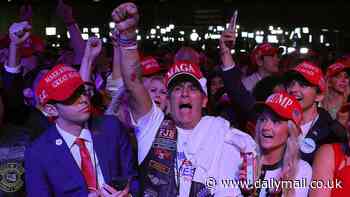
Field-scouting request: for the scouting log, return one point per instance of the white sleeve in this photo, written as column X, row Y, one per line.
column 228, row 172
column 146, row 129
column 116, row 88
column 304, row 172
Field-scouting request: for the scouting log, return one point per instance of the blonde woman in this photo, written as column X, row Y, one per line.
column 338, row 88
column 277, row 133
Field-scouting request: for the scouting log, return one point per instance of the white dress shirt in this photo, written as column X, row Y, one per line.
column 75, row 151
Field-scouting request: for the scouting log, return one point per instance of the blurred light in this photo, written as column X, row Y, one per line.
column 162, row 31
column 237, row 26
column 215, row 36
column 85, row 30
column 58, row 36
column 95, row 30
column 220, row 28
column 153, row 31
column 259, row 39
column 97, row 35
column 147, row 37
column 270, row 27
column 168, row 29
column 158, row 27
column 172, row 26
column 306, row 30
column 158, row 37
column 250, row 35
column 68, row 35
column 165, row 39
column 290, row 49
column 286, row 33
column 182, row 32
column 272, row 39
column 96, row 0
column 324, row 30
column 304, row 50
column 53, row 45
column 85, row 36
column 284, row 50
column 206, row 36
column 233, row 51
column 153, row 36
column 112, row 25
column 203, row 47
column 193, row 30
column 210, row 28
column 137, row 31
column 327, row 44
column 50, row 31
column 194, row 36
column 321, row 38
column 279, row 31
column 138, row 37
column 310, row 38
column 244, row 34
column 242, row 50
column 110, row 34
column 104, row 40
column 58, row 45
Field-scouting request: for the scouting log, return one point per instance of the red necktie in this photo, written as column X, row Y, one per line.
column 86, row 165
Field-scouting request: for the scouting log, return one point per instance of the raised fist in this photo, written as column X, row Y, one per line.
column 126, row 18
column 19, row 32
column 227, row 40
column 93, row 47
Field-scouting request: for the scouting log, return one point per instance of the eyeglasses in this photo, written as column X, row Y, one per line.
column 74, row 98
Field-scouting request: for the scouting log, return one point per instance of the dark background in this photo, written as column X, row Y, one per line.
column 253, row 14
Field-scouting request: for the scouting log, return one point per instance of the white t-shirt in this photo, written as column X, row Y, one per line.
column 304, row 171
column 212, row 148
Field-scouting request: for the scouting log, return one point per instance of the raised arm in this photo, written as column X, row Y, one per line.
column 19, row 33
column 76, row 41
column 126, row 18
column 239, row 95
column 92, row 50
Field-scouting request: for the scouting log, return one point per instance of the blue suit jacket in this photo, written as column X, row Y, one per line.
column 50, row 169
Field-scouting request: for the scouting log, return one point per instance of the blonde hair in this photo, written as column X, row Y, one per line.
column 290, row 156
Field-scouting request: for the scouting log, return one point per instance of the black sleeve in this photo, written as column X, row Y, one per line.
column 238, row 94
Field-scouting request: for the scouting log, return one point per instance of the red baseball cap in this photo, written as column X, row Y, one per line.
column 312, row 74
column 336, row 68
column 149, row 66
column 185, row 68
column 284, row 105
column 264, row 49
column 58, row 84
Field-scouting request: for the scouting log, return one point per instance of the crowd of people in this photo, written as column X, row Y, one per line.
column 81, row 122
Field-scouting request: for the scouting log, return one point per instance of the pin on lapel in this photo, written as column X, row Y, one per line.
column 59, row 142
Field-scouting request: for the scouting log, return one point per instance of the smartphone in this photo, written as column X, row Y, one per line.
column 232, row 27
column 119, row 183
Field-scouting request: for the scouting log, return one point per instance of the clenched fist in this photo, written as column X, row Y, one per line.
column 126, row 18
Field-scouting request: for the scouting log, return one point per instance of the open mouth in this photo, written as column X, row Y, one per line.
column 157, row 102
column 185, row 106
column 267, row 135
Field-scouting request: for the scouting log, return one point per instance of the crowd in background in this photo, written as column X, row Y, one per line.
column 295, row 107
